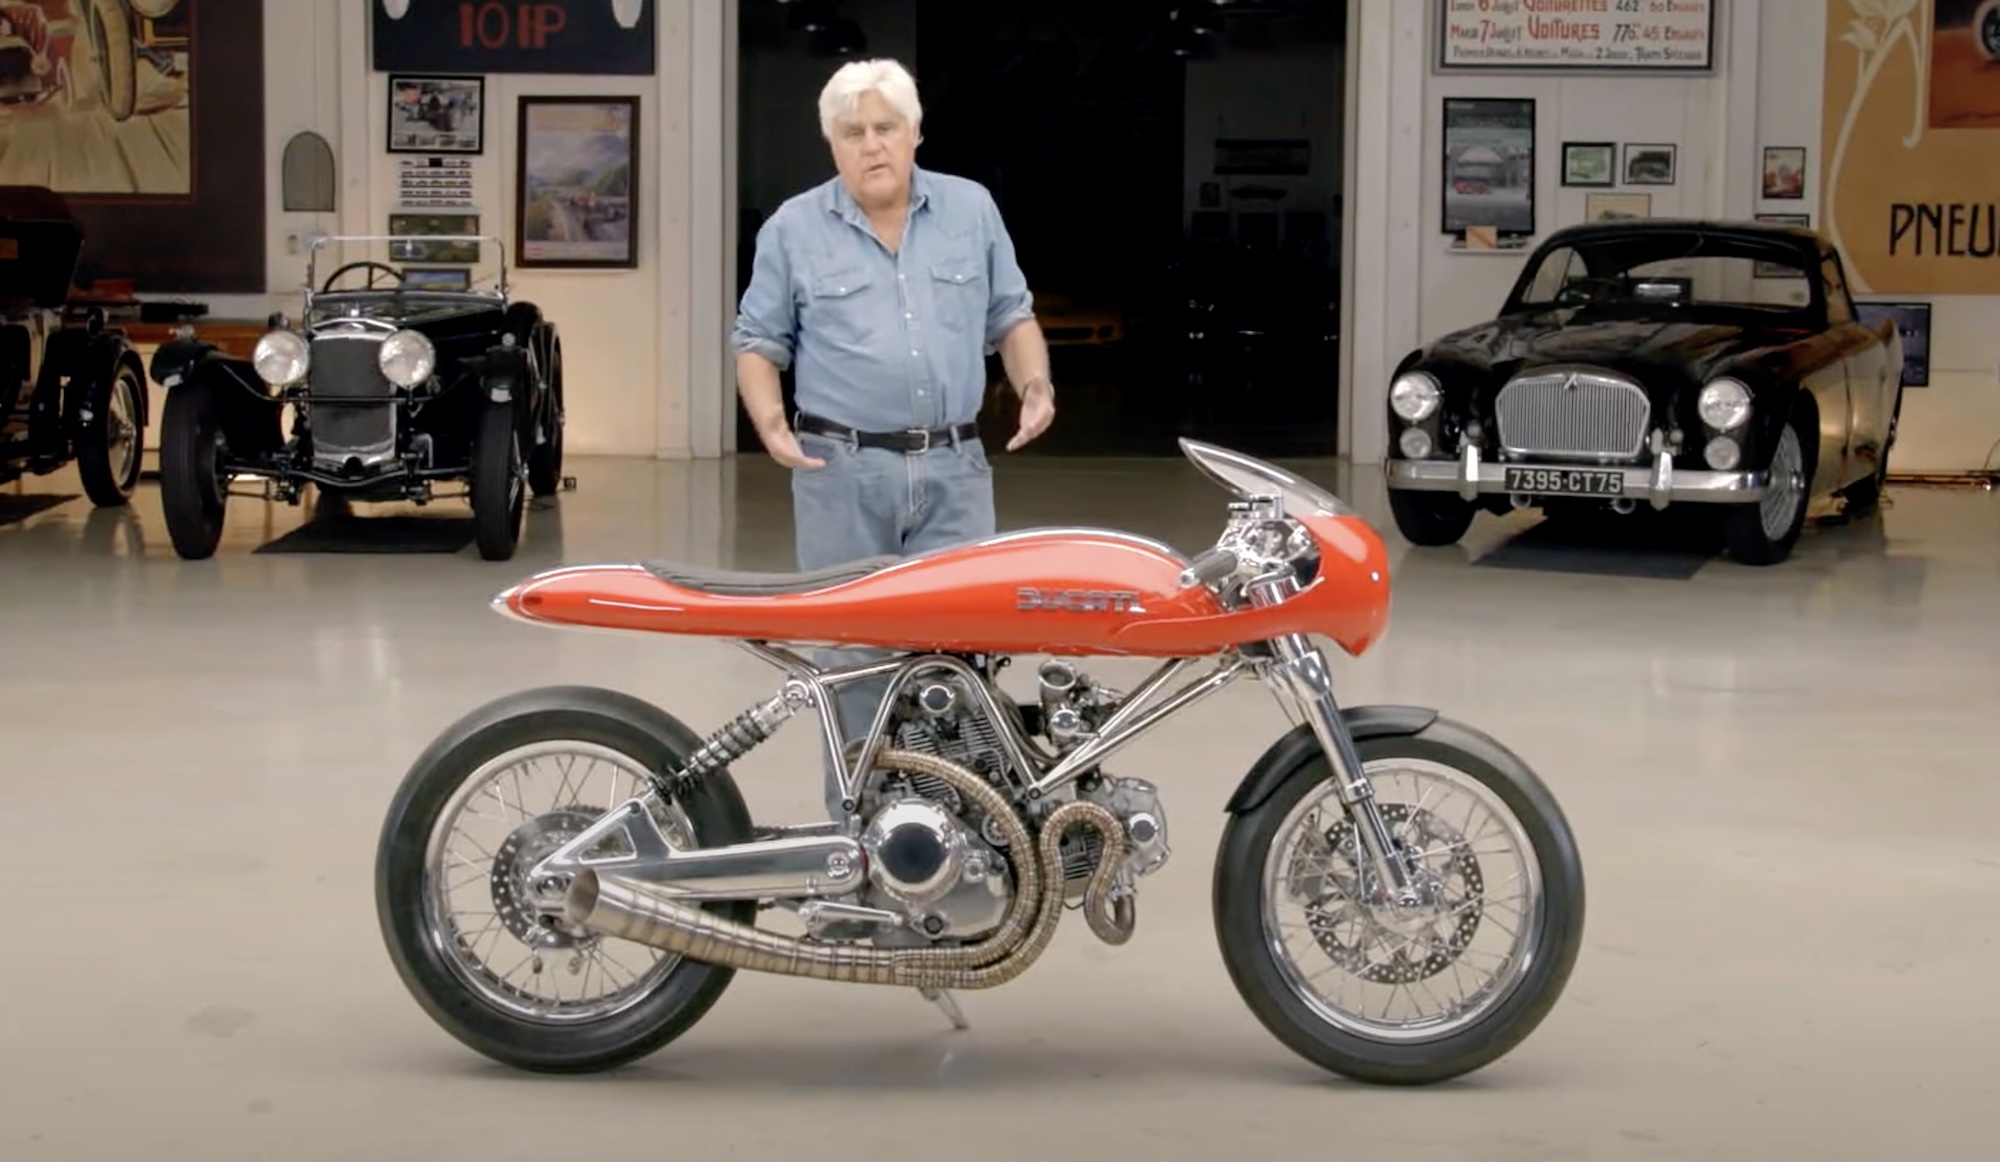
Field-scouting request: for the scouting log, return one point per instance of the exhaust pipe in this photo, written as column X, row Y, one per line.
column 1624, row 505
column 637, row 911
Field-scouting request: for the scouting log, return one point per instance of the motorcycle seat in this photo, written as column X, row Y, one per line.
column 742, row 583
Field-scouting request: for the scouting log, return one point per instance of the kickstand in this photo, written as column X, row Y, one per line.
column 943, row 999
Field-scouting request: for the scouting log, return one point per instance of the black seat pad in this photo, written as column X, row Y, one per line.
column 738, row 583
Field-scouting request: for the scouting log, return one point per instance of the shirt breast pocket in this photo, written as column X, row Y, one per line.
column 958, row 292
column 838, row 307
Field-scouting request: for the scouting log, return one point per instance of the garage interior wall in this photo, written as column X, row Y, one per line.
column 628, row 335
column 1766, row 90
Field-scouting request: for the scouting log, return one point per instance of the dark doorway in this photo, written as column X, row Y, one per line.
column 1170, row 174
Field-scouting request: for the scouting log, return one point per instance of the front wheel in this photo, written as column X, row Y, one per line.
column 501, row 789
column 194, row 494
column 499, row 494
column 1431, row 519
column 1403, row 996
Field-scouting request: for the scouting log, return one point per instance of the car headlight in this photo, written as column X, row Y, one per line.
column 1413, row 397
column 281, row 358
column 407, row 358
column 1724, row 405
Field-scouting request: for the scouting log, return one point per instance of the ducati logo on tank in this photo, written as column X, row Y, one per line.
column 1079, row 600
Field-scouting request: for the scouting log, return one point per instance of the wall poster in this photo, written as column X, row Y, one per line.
column 601, row 37
column 1489, row 170
column 1909, row 182
column 576, row 182
column 143, row 116
column 1591, row 35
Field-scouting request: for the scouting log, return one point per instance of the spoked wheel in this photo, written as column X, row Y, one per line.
column 112, row 41
column 1382, row 993
column 108, row 458
column 482, row 948
column 1764, row 533
column 1987, row 28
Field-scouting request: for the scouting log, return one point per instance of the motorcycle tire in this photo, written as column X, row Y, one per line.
column 650, row 737
column 1263, row 981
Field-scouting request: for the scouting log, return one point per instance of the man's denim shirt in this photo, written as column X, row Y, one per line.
column 884, row 341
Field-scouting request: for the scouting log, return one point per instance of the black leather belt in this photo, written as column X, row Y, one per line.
column 910, row 441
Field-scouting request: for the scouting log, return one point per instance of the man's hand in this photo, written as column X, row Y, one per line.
column 1038, row 411
column 783, row 446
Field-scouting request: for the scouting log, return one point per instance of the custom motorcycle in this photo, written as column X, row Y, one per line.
column 1398, row 898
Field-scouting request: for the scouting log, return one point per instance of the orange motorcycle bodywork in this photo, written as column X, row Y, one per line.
column 1069, row 592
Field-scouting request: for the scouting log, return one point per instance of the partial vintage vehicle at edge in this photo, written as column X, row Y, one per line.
column 1653, row 361
column 394, row 388
column 71, row 388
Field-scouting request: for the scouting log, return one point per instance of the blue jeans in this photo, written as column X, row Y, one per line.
column 870, row 502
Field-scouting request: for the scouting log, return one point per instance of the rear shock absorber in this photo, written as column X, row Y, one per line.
column 733, row 740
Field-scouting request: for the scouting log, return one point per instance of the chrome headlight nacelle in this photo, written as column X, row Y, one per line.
column 1724, row 404
column 281, row 358
column 1414, row 396
column 407, row 358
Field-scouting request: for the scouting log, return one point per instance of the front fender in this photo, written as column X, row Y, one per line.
column 1299, row 746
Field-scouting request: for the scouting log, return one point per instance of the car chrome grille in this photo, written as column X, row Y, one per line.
column 353, row 405
column 1572, row 413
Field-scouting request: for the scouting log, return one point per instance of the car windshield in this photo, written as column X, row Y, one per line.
column 1680, row 271
column 428, row 256
column 1249, row 477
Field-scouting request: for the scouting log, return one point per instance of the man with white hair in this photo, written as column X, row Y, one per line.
column 885, row 287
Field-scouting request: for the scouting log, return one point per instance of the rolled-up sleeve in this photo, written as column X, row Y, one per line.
column 1010, row 303
column 767, row 318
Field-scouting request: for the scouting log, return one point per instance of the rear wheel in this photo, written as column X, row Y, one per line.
column 499, row 494
column 117, row 57
column 193, row 494
column 1417, row 995
column 1431, row 518
column 464, row 929
column 112, row 440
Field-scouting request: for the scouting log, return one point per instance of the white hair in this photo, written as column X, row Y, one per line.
column 844, row 89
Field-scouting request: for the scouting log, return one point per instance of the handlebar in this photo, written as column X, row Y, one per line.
column 1208, row 568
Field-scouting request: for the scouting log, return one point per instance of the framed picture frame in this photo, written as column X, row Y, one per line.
column 1607, row 207
column 1487, row 179
column 1771, row 269
column 1590, row 163
column 576, row 183
column 1650, row 164
column 1784, row 171
column 404, row 223
column 1913, row 322
column 436, row 114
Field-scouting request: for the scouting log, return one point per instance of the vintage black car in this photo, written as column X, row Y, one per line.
column 71, row 388
column 394, row 386
column 1660, row 362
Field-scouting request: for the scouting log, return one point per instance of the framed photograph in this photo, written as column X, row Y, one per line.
column 1603, row 207
column 437, row 115
column 1590, row 163
column 406, row 224
column 1772, row 269
column 1784, row 172
column 1649, row 165
column 1488, row 173
column 576, row 188
column 1913, row 321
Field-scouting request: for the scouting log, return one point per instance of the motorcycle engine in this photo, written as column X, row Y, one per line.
column 935, row 860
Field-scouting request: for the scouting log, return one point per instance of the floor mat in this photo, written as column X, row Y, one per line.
column 1657, row 553
column 21, row 507
column 376, row 534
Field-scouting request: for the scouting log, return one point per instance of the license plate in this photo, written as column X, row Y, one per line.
column 1566, row 481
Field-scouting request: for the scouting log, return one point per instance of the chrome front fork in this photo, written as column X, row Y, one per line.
column 1301, row 668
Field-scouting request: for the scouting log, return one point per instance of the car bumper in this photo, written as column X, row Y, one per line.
column 1659, row 484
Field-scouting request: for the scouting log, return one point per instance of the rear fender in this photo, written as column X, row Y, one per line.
column 1299, row 746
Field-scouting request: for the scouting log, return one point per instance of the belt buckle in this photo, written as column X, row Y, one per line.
column 925, row 446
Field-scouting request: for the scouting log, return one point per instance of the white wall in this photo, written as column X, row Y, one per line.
column 1766, row 90
column 635, row 342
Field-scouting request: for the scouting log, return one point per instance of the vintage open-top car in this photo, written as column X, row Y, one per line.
column 71, row 388
column 397, row 379
column 1659, row 362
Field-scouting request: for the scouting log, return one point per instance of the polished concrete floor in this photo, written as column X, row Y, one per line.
column 1783, row 781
